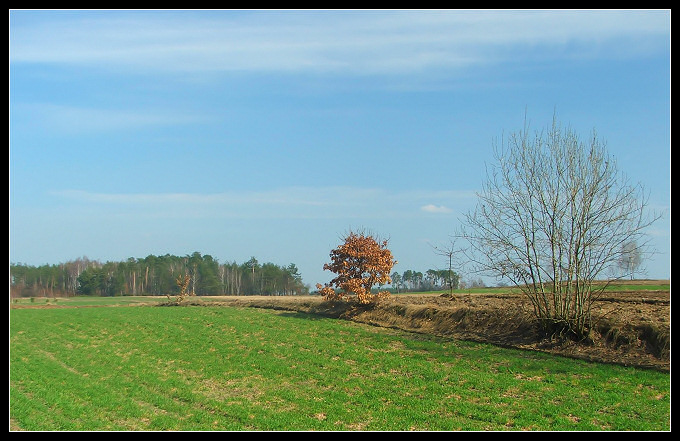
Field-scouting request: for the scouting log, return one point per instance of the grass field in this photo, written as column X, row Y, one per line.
column 224, row 368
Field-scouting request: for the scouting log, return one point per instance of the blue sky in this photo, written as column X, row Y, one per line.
column 272, row 133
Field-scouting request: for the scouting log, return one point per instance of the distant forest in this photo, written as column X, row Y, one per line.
column 155, row 275
column 431, row 280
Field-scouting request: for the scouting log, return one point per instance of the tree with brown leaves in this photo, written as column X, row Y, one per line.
column 360, row 263
column 183, row 284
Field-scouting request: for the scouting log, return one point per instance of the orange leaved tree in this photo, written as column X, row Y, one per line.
column 183, row 283
column 360, row 262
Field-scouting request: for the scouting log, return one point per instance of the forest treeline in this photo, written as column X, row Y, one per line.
column 155, row 275
column 430, row 280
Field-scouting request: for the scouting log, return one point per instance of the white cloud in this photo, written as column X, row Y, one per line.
column 78, row 119
column 430, row 208
column 283, row 203
column 357, row 42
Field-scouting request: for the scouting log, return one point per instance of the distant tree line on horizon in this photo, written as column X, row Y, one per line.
column 430, row 280
column 155, row 275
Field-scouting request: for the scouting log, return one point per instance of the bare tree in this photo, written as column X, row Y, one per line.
column 449, row 251
column 630, row 259
column 552, row 218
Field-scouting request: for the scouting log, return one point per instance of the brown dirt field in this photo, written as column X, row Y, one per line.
column 631, row 328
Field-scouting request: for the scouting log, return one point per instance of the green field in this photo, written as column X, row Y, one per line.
column 225, row 368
